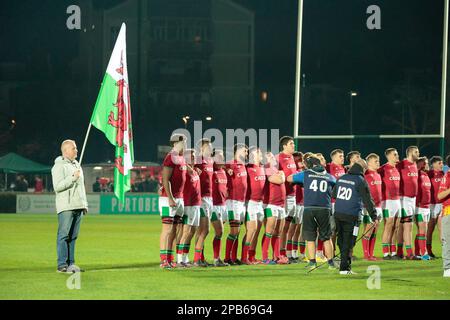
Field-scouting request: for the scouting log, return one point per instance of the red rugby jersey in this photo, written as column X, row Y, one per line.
column 374, row 181
column 274, row 194
column 205, row 164
column 409, row 178
column 287, row 164
column 435, row 179
column 219, row 192
column 177, row 163
column 423, row 198
column 391, row 182
column 256, row 181
column 192, row 195
column 237, row 182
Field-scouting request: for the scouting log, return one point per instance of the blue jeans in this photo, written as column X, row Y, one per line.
column 68, row 229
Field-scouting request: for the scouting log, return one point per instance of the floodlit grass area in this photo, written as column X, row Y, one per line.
column 121, row 258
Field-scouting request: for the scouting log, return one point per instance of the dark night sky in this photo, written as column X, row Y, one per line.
column 338, row 52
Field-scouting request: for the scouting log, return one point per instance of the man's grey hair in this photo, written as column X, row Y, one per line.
column 65, row 143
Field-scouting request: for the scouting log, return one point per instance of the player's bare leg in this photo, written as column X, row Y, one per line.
column 247, row 240
column 389, row 228
column 289, row 239
column 284, row 235
column 164, row 246
column 395, row 236
column 184, row 243
column 217, row 242
column 270, row 223
column 232, row 240
column 296, row 241
column 420, row 248
column 430, row 229
column 276, row 242
column 252, row 253
column 202, row 233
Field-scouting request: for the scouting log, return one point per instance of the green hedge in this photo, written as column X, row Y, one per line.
column 7, row 202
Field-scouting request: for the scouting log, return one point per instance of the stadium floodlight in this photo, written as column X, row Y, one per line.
column 441, row 133
column 208, row 118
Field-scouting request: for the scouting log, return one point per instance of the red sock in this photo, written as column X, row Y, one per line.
column 295, row 246
column 393, row 248
column 365, row 245
column 385, row 248
column 372, row 241
column 276, row 246
column 198, row 254
column 302, row 247
column 216, row 247
column 265, row 246
column 251, row 254
column 422, row 239
column 283, row 252
column 416, row 245
column 234, row 251
column 319, row 245
column 228, row 247
column 203, row 255
column 170, row 257
column 245, row 251
column 409, row 251
column 289, row 246
column 163, row 256
column 400, row 249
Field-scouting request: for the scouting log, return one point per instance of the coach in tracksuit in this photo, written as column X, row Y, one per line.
column 351, row 192
column 318, row 186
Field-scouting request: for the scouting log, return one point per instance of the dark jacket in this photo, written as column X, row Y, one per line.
column 352, row 193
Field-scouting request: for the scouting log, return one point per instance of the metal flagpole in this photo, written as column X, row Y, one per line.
column 444, row 76
column 298, row 67
column 84, row 144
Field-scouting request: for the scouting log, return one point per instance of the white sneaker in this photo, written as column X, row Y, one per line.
column 74, row 268
column 347, row 273
column 447, row 273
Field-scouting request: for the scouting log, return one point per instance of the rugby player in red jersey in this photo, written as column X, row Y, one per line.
column 274, row 200
column 237, row 190
column 171, row 205
column 436, row 175
column 287, row 164
column 409, row 176
column 391, row 203
column 422, row 215
column 373, row 179
column 191, row 218
column 295, row 239
column 336, row 169
column 255, row 210
column 204, row 167
column 219, row 210
column 352, row 158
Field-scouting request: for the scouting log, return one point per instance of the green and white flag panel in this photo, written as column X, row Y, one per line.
column 112, row 114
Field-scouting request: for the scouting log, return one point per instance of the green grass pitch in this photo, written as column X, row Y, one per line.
column 121, row 258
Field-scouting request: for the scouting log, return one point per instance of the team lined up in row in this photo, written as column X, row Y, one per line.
column 252, row 189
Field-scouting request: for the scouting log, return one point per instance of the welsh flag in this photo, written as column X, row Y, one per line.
column 112, row 114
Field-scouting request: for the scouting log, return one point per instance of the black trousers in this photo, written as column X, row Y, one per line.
column 345, row 239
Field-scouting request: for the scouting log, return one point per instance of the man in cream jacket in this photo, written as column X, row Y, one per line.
column 71, row 204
